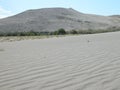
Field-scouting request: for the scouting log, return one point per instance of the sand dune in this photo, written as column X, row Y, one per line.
column 86, row 62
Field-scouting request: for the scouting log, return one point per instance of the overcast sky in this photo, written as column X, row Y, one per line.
column 101, row 7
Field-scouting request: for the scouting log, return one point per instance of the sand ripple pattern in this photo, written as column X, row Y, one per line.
column 66, row 63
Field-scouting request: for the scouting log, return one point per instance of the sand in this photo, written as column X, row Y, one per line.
column 84, row 62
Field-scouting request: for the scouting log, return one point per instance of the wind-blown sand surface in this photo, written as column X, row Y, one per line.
column 87, row 62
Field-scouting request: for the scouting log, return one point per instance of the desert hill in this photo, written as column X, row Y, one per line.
column 51, row 19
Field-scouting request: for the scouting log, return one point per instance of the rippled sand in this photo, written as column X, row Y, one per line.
column 86, row 62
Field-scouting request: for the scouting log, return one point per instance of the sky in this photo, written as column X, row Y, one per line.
column 100, row 7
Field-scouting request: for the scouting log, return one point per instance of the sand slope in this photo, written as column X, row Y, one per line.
column 87, row 62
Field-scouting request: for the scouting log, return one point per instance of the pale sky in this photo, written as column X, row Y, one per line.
column 100, row 7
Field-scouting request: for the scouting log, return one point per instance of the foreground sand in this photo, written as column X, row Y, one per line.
column 88, row 62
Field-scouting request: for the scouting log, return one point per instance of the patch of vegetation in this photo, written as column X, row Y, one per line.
column 29, row 33
column 73, row 32
column 60, row 31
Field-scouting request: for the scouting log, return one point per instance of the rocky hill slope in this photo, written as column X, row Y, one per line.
column 51, row 19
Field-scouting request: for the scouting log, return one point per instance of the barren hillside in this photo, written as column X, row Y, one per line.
column 51, row 19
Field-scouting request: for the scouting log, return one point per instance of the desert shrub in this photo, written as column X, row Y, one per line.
column 89, row 31
column 54, row 33
column 59, row 32
column 73, row 32
column 31, row 33
column 44, row 33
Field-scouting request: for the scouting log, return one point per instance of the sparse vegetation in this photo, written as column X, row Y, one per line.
column 30, row 33
column 17, row 36
column 58, row 32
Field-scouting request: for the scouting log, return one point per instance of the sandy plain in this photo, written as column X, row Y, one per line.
column 84, row 62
